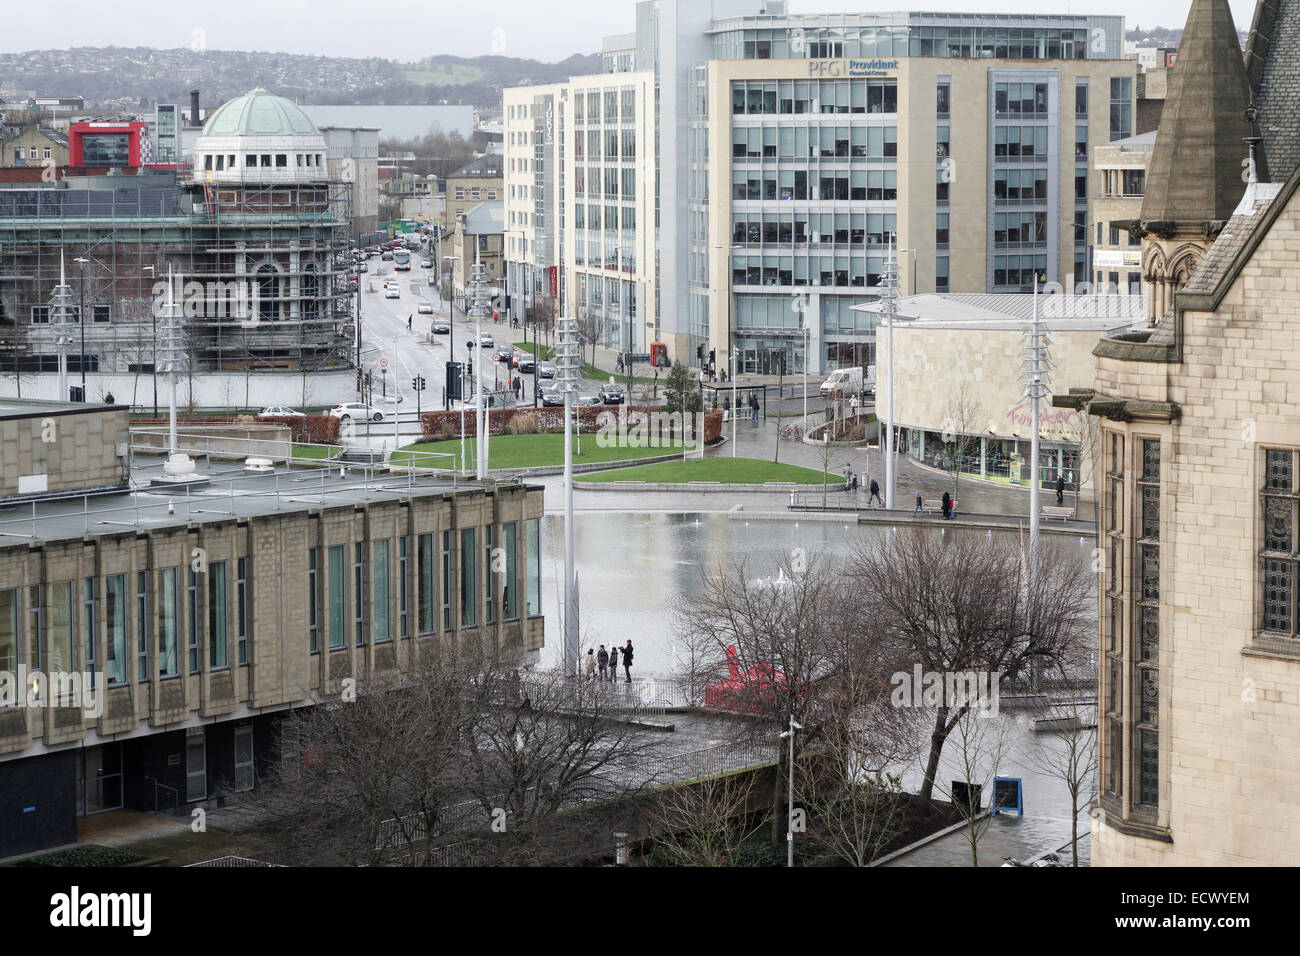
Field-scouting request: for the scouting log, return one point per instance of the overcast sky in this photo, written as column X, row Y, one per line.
column 411, row 29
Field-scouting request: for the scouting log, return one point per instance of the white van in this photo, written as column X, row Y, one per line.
column 842, row 383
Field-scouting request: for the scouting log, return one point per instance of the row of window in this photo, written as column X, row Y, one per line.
column 487, row 576
column 220, row 161
column 617, row 105
column 1015, row 43
column 23, row 153
column 844, row 271
column 778, row 97
column 99, row 312
column 616, row 182
column 797, row 143
column 610, row 145
column 785, row 228
column 798, row 184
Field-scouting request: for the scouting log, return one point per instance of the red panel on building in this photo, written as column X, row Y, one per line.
column 100, row 144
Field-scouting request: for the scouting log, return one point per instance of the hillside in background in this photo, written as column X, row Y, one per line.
column 137, row 78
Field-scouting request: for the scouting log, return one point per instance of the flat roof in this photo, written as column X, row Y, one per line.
column 229, row 494
column 1012, row 312
column 38, row 408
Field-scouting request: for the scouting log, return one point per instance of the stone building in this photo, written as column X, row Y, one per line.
column 1199, row 596
column 151, row 644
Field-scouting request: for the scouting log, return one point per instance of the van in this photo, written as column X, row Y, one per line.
column 842, row 383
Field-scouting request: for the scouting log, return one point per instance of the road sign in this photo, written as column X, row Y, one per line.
column 383, row 363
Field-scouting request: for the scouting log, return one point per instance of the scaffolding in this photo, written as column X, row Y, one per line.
column 264, row 268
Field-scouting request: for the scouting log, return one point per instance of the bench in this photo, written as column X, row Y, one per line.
column 1057, row 511
column 933, row 504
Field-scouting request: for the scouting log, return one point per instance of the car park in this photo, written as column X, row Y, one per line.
column 358, row 410
column 279, row 411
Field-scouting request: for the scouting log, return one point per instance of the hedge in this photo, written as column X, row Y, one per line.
column 446, row 425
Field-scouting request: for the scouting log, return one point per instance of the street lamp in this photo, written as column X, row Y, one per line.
column 735, row 409
column 81, row 320
column 789, row 819
column 568, row 370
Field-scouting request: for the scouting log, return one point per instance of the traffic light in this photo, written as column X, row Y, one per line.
column 415, row 382
column 713, row 356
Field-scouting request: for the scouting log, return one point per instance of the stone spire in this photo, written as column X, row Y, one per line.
column 1195, row 176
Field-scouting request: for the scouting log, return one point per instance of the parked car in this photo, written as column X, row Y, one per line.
column 362, row 267
column 426, row 263
column 546, row 369
column 387, row 256
column 359, row 410
column 523, row 361
column 441, row 327
column 279, row 411
column 433, row 279
column 551, row 396
column 611, row 395
column 353, row 277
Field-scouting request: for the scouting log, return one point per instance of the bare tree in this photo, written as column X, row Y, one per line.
column 706, row 822
column 981, row 738
column 1069, row 751
column 958, row 605
column 963, row 424
column 589, row 327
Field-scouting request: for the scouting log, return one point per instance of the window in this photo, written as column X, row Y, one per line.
column 509, row 598
column 336, row 597
column 281, row 160
column 425, row 575
column 9, row 639
column 192, row 603
column 943, row 100
column 380, row 569
column 313, row 600
column 241, row 600
column 359, row 591
column 59, row 654
column 534, row 567
column 403, row 586
column 100, row 312
column 167, row 663
column 218, row 650
column 468, row 586
column 196, row 765
column 115, row 628
column 1280, row 552
column 88, row 628
column 447, row 586
column 141, row 624
column 1121, row 107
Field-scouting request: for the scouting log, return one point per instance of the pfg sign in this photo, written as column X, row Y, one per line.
column 851, row 67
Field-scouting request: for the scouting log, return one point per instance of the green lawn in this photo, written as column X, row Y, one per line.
column 529, row 451
column 315, row 451
column 589, row 371
column 735, row 471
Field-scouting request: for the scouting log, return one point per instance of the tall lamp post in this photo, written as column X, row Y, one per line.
column 568, row 369
column 62, row 293
column 81, row 320
column 789, row 820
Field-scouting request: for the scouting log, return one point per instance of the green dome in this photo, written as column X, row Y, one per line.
column 258, row 113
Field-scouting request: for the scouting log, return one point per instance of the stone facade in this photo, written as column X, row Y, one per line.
column 51, row 448
column 1228, row 716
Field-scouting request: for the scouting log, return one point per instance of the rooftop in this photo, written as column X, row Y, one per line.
column 1011, row 312
column 38, row 408
column 486, row 167
column 229, row 495
column 258, row 113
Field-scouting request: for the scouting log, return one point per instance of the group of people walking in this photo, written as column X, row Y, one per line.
column 605, row 662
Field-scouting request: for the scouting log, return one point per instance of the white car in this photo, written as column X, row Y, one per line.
column 485, row 341
column 279, row 411
column 425, row 308
column 358, row 410
column 392, row 291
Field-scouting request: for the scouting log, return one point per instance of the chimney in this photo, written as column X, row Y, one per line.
column 194, row 108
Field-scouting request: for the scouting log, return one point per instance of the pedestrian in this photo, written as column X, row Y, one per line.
column 613, row 663
column 518, row 388
column 753, row 406
column 108, row 399
column 409, row 318
column 1060, row 489
column 947, row 505
column 875, row 494
column 627, row 661
column 591, row 664
column 602, row 662
column 618, row 366
column 920, row 506
column 854, row 480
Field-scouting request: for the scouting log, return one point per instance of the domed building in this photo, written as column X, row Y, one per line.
column 261, row 164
